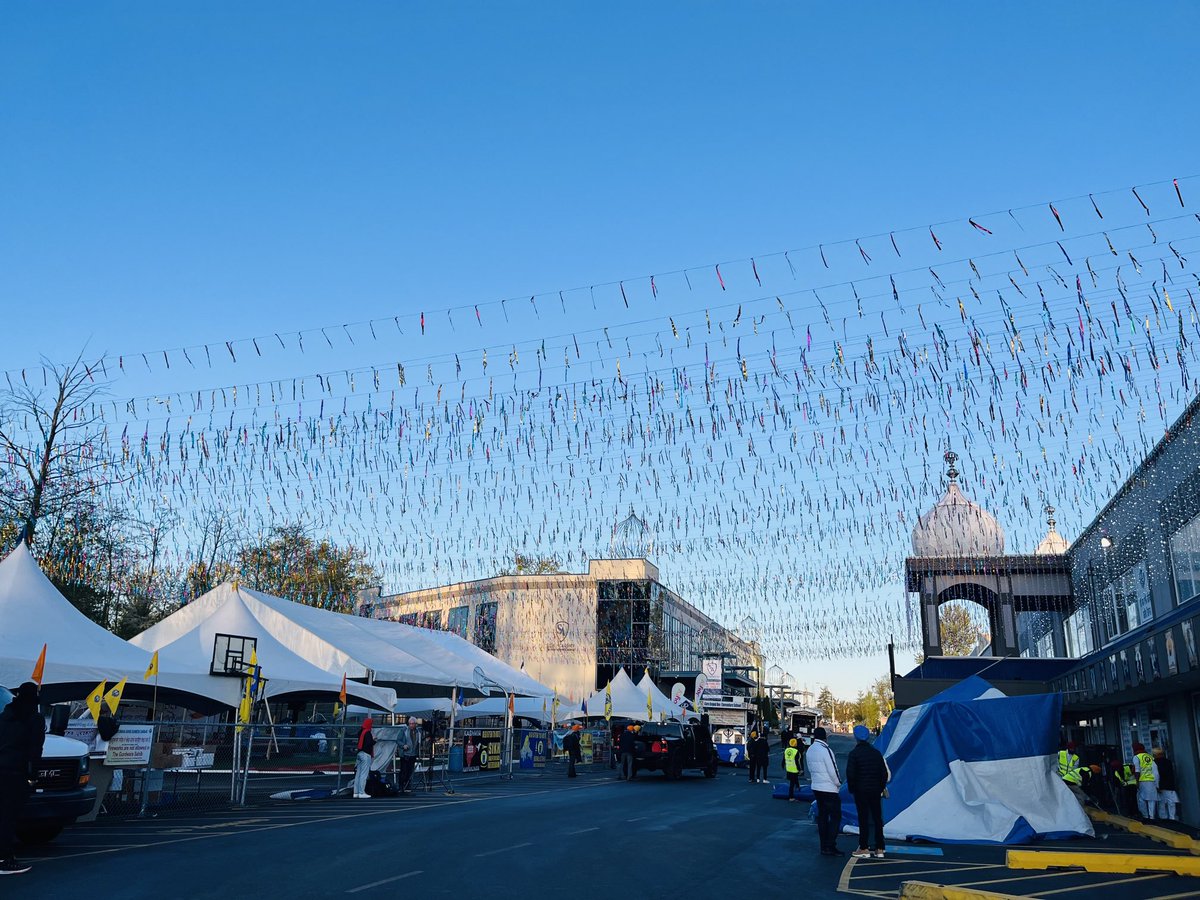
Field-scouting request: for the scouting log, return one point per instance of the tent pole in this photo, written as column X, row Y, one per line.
column 450, row 742
column 341, row 747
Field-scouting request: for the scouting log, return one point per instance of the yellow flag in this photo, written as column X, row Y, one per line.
column 608, row 700
column 649, row 707
column 113, row 697
column 152, row 669
column 95, row 698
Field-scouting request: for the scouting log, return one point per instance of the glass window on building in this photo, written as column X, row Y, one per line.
column 456, row 620
column 485, row 626
column 407, row 618
column 1078, row 631
column 1185, row 560
column 623, row 628
column 431, row 619
column 1125, row 604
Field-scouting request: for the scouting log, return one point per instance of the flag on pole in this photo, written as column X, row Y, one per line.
column 512, row 706
column 95, row 698
column 585, row 707
column 649, row 707
column 543, row 709
column 152, row 669
column 608, row 700
column 255, row 674
column 39, row 668
column 113, row 697
column 342, row 695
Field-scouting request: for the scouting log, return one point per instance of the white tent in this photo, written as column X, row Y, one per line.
column 662, row 703
column 187, row 638
column 79, row 653
column 627, row 701
column 540, row 708
column 413, row 661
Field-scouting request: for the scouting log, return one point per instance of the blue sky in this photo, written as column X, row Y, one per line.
column 175, row 174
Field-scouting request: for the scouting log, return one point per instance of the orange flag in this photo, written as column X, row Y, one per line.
column 342, row 695
column 39, row 668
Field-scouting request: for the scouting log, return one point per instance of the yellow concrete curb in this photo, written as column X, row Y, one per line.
column 923, row 890
column 1126, row 863
column 1166, row 836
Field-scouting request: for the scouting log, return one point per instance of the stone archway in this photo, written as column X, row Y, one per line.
column 948, row 588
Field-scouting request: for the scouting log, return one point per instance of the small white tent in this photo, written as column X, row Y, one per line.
column 627, row 701
column 188, row 639
column 79, row 653
column 662, row 703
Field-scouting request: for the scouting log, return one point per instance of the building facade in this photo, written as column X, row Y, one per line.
column 572, row 632
column 1110, row 621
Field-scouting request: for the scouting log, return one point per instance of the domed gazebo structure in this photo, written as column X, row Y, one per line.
column 958, row 554
column 632, row 538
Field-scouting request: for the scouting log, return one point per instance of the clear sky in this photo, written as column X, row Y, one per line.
column 188, row 173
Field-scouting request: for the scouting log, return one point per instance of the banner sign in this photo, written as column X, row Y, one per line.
column 533, row 749
column 130, row 746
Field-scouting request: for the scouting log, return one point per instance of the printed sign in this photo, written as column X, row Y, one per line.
column 130, row 746
column 533, row 749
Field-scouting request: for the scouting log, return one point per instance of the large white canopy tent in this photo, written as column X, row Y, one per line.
column 539, row 708
column 188, row 639
column 79, row 653
column 410, row 661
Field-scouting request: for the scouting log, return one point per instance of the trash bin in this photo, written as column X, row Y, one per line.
column 456, row 759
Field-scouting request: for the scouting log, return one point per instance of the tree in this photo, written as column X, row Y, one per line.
column 291, row 564
column 826, row 704
column 884, row 698
column 959, row 632
column 49, row 448
column 529, row 565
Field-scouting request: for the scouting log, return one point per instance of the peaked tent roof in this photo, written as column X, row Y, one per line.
column 627, row 701
column 526, row 707
column 412, row 661
column 662, row 703
column 80, row 653
column 186, row 639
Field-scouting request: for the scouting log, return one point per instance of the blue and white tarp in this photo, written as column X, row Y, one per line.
column 973, row 765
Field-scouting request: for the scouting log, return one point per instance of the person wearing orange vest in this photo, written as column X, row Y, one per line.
column 1146, row 772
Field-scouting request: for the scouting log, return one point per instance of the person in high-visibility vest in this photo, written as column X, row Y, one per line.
column 1147, row 781
column 1068, row 771
column 792, row 768
column 1124, row 787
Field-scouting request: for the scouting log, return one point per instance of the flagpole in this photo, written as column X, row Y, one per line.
column 154, row 703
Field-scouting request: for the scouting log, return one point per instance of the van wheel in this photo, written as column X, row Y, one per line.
column 39, row 832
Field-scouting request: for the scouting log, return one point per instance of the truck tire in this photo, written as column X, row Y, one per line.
column 38, row 832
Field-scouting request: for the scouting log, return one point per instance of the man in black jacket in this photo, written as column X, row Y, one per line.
column 866, row 777
column 625, row 745
column 571, row 745
column 22, row 733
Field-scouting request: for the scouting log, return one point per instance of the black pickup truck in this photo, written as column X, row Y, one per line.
column 672, row 748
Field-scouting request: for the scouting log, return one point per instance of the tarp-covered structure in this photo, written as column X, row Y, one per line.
column 79, row 653
column 407, row 660
column 973, row 765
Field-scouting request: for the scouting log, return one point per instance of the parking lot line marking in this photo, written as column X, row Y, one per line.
column 924, row 890
column 1092, row 861
column 584, row 830
column 966, row 867
column 1178, row 896
column 1106, row 884
column 365, row 887
column 504, row 849
column 1016, row 878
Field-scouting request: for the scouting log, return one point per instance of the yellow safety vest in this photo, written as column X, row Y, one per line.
column 1068, row 765
column 1125, row 775
column 789, row 759
column 1146, row 767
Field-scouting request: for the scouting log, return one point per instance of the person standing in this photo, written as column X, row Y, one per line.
column 1147, row 781
column 362, row 759
column 752, row 757
column 571, row 744
column 1124, row 784
column 826, row 781
column 101, row 773
column 867, row 776
column 763, row 748
column 409, row 745
column 792, row 769
column 626, row 747
column 22, row 733
column 1168, row 799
